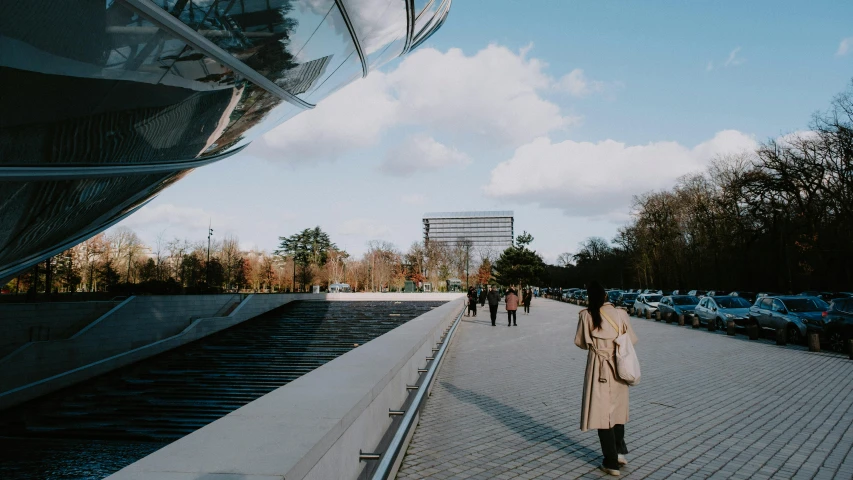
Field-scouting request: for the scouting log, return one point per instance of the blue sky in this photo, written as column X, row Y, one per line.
column 558, row 110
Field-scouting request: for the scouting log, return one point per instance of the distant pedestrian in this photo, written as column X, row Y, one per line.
column 528, row 296
column 472, row 302
column 605, row 395
column 483, row 296
column 511, row 306
column 494, row 298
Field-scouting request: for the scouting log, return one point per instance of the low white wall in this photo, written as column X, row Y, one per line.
column 313, row 427
column 143, row 327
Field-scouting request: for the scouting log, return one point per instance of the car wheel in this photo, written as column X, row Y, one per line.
column 721, row 325
column 836, row 342
column 794, row 335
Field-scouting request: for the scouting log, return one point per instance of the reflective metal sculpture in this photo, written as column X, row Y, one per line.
column 108, row 102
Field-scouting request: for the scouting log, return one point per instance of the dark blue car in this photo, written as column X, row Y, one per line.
column 797, row 315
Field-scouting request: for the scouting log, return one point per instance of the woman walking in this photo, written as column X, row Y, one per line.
column 511, row 306
column 605, row 396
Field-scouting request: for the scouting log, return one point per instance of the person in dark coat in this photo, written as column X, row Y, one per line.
column 483, row 296
column 528, row 296
column 472, row 302
column 494, row 298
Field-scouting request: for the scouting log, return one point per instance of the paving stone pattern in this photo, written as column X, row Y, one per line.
column 507, row 405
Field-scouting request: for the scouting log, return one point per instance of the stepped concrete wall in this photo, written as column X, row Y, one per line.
column 313, row 427
column 138, row 328
column 23, row 322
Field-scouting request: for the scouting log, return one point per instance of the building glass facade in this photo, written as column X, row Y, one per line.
column 107, row 102
column 474, row 229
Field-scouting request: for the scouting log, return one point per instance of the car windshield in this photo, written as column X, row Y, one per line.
column 629, row 296
column 653, row 298
column 733, row 302
column 806, row 304
column 685, row 300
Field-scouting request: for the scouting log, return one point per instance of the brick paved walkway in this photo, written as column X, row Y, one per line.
column 507, row 405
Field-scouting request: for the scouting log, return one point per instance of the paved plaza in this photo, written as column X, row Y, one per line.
column 507, row 405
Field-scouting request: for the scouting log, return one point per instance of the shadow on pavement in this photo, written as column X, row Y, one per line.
column 484, row 321
column 524, row 425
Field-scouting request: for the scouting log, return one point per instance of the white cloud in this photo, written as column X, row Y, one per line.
column 577, row 84
column 353, row 117
column 493, row 97
column 167, row 214
column 733, row 60
column 365, row 227
column 420, row 153
column 844, row 47
column 414, row 199
column 587, row 179
column 493, row 94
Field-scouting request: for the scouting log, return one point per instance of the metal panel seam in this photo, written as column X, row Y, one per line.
column 355, row 42
column 164, row 20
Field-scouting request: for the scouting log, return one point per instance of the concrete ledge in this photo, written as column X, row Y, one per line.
column 313, row 427
column 154, row 325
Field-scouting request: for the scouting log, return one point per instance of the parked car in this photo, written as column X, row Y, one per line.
column 646, row 303
column 626, row 300
column 838, row 324
column 613, row 295
column 825, row 296
column 748, row 296
column 567, row 292
column 665, row 293
column 797, row 315
column 696, row 293
column 721, row 309
column 675, row 305
column 714, row 293
column 767, row 294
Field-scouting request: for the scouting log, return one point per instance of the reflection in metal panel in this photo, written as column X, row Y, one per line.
column 116, row 82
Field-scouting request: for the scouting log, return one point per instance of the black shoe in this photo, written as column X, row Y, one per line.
column 514, row 324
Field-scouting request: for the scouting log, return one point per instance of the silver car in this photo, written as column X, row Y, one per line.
column 646, row 302
column 722, row 309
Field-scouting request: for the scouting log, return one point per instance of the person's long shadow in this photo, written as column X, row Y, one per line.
column 476, row 320
column 523, row 424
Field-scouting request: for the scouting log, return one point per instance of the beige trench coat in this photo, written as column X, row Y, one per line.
column 605, row 396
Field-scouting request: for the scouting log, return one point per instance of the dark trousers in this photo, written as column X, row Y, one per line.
column 493, row 311
column 510, row 317
column 526, row 308
column 612, row 444
column 472, row 308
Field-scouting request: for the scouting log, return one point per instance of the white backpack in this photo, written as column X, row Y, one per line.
column 627, row 363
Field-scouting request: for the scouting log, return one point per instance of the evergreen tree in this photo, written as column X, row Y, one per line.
column 519, row 265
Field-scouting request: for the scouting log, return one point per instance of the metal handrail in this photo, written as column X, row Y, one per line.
column 388, row 458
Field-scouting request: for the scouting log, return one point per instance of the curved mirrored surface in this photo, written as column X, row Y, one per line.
column 127, row 84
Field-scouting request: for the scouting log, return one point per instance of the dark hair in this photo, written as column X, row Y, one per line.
column 596, row 298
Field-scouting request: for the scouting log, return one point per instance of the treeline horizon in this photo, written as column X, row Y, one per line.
column 119, row 262
column 776, row 219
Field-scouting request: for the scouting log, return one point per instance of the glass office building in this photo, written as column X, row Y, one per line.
column 107, row 102
column 474, row 229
